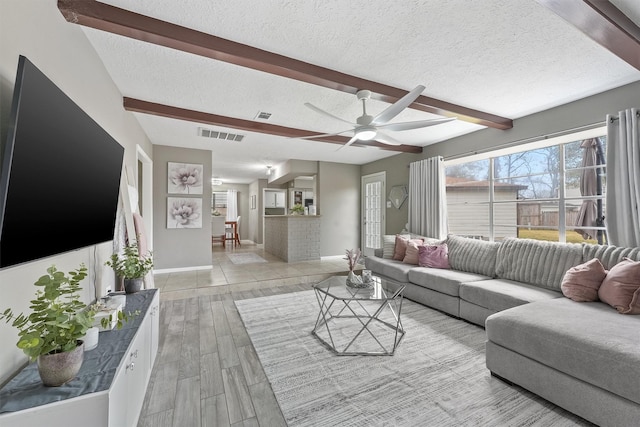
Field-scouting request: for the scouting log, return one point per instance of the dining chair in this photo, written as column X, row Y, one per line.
column 217, row 229
column 237, row 235
column 231, row 231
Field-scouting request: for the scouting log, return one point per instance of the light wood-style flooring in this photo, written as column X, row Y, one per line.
column 207, row 372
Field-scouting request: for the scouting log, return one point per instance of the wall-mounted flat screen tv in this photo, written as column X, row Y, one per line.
column 60, row 175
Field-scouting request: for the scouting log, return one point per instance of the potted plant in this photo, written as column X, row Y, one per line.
column 297, row 209
column 52, row 333
column 131, row 267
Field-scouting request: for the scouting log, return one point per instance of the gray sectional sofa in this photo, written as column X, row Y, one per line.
column 584, row 357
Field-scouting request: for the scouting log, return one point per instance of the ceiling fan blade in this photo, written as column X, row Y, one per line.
column 321, row 111
column 414, row 125
column 395, row 108
column 321, row 135
column 386, row 139
column 351, row 141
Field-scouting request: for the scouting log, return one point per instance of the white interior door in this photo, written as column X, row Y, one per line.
column 373, row 212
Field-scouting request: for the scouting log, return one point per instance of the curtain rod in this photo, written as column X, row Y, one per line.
column 614, row 118
column 526, row 140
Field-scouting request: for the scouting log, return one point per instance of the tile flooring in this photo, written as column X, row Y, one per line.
column 207, row 372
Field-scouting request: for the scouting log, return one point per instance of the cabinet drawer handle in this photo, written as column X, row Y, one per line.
column 134, row 354
column 131, row 366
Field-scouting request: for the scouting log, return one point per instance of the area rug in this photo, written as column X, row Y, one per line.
column 248, row 258
column 437, row 376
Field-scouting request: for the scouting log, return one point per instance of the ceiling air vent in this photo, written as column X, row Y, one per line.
column 210, row 133
column 262, row 115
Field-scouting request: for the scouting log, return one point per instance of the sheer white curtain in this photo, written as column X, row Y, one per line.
column 232, row 205
column 623, row 179
column 427, row 198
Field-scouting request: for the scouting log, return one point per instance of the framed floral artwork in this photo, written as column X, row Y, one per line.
column 184, row 212
column 184, row 178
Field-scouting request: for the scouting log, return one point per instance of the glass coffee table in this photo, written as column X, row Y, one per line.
column 359, row 321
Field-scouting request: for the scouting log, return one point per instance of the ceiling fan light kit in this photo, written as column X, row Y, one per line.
column 367, row 128
column 366, row 133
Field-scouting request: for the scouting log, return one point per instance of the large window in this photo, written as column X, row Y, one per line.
column 551, row 193
column 219, row 202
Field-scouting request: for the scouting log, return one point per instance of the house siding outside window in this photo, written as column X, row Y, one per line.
column 529, row 194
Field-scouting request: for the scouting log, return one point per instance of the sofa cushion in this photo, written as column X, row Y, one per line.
column 396, row 270
column 472, row 256
column 588, row 341
column 621, row 287
column 501, row 294
column 609, row 255
column 536, row 262
column 581, row 283
column 441, row 280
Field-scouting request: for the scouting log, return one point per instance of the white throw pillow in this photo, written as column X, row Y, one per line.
column 388, row 245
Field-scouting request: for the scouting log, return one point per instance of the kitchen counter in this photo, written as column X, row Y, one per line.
column 292, row 237
column 293, row 216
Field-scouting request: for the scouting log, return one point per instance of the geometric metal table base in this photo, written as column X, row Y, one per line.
column 357, row 321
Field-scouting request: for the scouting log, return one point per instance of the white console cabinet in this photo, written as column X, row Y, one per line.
column 117, row 404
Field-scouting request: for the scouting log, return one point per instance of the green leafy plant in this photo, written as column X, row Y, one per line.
column 130, row 265
column 297, row 208
column 121, row 317
column 58, row 319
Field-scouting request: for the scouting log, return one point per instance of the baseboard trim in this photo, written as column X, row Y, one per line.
column 182, row 269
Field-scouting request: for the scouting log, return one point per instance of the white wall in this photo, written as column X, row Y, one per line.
column 37, row 30
column 339, row 205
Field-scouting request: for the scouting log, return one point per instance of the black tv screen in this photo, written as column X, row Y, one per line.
column 60, row 175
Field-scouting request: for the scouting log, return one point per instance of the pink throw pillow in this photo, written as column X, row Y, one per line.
column 401, row 246
column 411, row 254
column 581, row 283
column 621, row 288
column 434, row 256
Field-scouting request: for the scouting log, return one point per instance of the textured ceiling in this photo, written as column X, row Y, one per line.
column 505, row 57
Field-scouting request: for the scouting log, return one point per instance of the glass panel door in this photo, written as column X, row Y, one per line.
column 372, row 212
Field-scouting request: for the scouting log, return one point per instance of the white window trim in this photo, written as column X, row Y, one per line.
column 564, row 138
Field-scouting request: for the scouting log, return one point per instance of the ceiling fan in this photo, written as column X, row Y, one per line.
column 367, row 128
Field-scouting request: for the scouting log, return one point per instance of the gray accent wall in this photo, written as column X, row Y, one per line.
column 180, row 248
column 255, row 226
column 339, row 207
column 584, row 112
column 61, row 50
column 243, row 206
column 589, row 111
column 397, row 173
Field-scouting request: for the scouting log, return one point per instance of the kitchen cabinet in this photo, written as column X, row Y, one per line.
column 274, row 199
column 300, row 196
